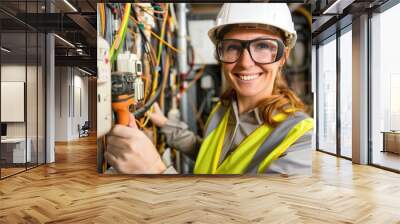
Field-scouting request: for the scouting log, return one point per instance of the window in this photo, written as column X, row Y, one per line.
column 22, row 74
column 385, row 89
column 346, row 93
column 327, row 96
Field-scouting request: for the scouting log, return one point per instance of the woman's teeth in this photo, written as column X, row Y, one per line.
column 248, row 77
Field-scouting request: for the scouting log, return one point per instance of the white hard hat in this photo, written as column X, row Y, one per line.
column 271, row 14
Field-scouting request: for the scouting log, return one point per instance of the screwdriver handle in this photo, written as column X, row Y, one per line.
column 121, row 109
column 122, row 117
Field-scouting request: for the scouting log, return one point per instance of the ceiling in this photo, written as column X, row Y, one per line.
column 23, row 21
column 20, row 20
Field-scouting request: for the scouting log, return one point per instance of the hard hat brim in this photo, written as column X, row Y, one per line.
column 290, row 36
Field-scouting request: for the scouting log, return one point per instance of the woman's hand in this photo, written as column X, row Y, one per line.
column 130, row 151
column 157, row 116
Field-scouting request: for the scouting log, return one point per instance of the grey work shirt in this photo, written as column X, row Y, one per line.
column 296, row 160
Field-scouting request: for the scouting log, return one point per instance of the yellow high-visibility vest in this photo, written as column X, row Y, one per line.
column 256, row 152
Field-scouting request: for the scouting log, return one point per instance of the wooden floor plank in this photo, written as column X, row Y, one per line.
column 70, row 191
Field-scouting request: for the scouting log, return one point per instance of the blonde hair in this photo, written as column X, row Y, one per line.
column 281, row 99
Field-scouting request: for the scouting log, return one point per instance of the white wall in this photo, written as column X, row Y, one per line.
column 61, row 103
column 34, row 125
column 71, row 94
column 204, row 53
column 12, row 73
column 80, row 117
column 16, row 73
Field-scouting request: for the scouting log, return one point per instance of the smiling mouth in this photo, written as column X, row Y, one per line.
column 247, row 77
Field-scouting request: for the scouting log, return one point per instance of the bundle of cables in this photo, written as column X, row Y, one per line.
column 156, row 89
column 158, row 64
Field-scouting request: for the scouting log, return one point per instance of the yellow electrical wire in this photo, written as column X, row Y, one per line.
column 155, row 78
column 306, row 14
column 165, row 42
column 166, row 70
column 152, row 57
column 102, row 18
column 154, row 134
column 118, row 41
column 158, row 37
column 148, row 116
column 162, row 34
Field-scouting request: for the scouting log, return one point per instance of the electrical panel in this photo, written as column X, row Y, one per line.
column 104, row 113
column 138, row 65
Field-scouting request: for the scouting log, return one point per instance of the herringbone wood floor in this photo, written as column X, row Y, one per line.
column 70, row 191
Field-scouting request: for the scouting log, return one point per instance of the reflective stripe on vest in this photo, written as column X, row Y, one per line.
column 256, row 151
column 276, row 137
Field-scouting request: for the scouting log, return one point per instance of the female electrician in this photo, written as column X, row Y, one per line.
column 257, row 127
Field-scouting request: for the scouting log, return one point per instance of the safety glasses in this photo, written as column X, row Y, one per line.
column 262, row 50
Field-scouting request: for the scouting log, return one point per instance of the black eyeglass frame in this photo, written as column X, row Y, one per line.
column 246, row 45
